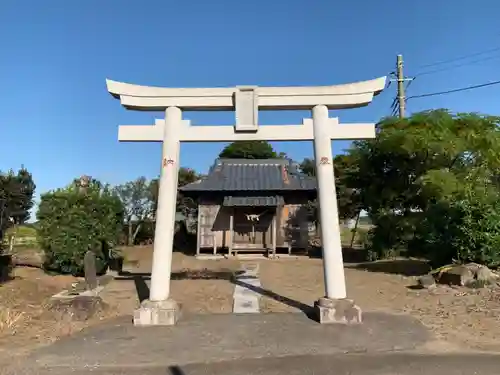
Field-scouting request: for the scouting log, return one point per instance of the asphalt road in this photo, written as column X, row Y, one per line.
column 263, row 344
column 346, row 364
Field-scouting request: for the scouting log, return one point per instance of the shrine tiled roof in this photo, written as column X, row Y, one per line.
column 252, row 175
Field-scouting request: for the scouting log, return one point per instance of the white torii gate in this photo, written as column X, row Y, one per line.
column 246, row 101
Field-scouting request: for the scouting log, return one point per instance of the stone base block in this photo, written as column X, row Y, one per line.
column 113, row 274
column 75, row 307
column 342, row 311
column 157, row 313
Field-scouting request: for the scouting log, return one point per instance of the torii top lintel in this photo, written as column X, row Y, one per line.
column 149, row 98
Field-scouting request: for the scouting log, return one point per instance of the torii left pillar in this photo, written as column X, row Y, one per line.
column 160, row 309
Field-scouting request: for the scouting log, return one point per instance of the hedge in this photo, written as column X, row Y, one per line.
column 73, row 220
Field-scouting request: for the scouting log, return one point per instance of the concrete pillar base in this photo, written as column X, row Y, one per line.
column 340, row 311
column 157, row 313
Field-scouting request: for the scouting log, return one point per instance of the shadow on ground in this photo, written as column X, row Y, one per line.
column 405, row 267
column 175, row 370
column 355, row 258
column 306, row 309
column 142, row 288
column 349, row 254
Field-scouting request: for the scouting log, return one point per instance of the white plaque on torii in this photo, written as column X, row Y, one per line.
column 245, row 101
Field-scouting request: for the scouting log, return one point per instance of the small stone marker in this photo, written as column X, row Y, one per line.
column 89, row 268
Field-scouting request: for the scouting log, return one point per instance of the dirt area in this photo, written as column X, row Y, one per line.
column 461, row 316
column 24, row 322
column 200, row 286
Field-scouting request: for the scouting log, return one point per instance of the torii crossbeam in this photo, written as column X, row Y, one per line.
column 246, row 101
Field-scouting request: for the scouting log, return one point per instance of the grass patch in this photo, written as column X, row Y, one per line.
column 25, row 236
column 359, row 239
column 21, row 231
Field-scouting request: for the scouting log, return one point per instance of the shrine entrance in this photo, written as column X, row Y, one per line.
column 246, row 101
column 252, row 228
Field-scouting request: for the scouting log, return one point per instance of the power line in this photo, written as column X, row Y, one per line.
column 409, row 83
column 460, row 58
column 457, row 66
column 394, row 103
column 395, row 110
column 454, row 90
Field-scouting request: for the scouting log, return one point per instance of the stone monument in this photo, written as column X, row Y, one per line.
column 89, row 268
column 246, row 101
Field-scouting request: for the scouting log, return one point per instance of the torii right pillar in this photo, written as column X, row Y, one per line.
column 334, row 307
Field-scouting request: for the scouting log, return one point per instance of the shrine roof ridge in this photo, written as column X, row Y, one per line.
column 232, row 175
column 270, row 161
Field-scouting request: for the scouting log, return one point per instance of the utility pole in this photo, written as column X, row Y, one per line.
column 401, row 87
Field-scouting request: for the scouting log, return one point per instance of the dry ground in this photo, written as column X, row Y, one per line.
column 460, row 316
column 25, row 323
column 465, row 317
column 200, row 286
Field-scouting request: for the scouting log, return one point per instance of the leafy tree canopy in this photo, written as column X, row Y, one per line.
column 347, row 197
column 138, row 203
column 425, row 170
column 392, row 170
column 186, row 176
column 16, row 198
column 249, row 150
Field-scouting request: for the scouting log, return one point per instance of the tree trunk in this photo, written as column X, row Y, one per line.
column 12, row 242
column 355, row 230
column 130, row 240
column 136, row 232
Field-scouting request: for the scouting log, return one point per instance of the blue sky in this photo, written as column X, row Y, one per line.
column 57, row 118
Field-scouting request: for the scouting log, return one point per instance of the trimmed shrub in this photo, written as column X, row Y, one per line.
column 460, row 231
column 73, row 220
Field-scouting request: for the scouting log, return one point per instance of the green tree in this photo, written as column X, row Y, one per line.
column 463, row 223
column 249, row 150
column 74, row 220
column 404, row 173
column 307, row 167
column 26, row 189
column 16, row 198
column 138, row 205
column 184, row 204
column 348, row 198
